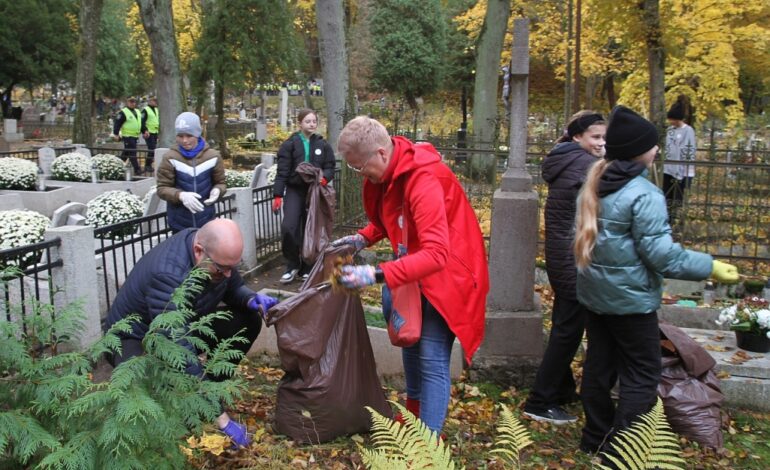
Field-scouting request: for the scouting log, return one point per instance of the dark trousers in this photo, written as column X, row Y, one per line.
column 293, row 226
column 554, row 383
column 674, row 190
column 242, row 319
column 129, row 152
column 152, row 144
column 626, row 347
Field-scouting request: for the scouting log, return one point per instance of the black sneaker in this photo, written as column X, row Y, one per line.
column 555, row 415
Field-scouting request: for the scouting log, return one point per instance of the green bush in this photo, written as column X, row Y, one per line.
column 55, row 417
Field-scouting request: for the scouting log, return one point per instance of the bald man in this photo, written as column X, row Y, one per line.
column 216, row 248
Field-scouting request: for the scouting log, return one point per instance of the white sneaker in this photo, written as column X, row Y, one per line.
column 305, row 276
column 289, row 276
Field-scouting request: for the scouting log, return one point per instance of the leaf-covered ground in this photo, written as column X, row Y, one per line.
column 470, row 430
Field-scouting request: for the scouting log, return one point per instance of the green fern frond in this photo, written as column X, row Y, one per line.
column 512, row 437
column 78, row 453
column 25, row 436
column 649, row 443
column 168, row 351
column 137, row 405
column 413, row 443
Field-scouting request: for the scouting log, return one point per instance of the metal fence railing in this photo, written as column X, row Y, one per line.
column 31, row 154
column 41, row 130
column 267, row 224
column 25, row 280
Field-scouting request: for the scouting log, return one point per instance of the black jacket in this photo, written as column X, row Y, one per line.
column 147, row 291
column 292, row 153
column 564, row 169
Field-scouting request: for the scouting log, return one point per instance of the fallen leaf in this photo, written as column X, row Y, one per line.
column 214, row 443
column 711, row 347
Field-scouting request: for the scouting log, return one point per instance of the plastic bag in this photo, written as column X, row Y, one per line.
column 689, row 389
column 325, row 351
column 320, row 212
column 402, row 309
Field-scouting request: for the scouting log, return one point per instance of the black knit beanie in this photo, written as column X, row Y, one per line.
column 628, row 135
column 676, row 111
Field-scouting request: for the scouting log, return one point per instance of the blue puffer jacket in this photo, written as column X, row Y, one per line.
column 147, row 291
column 199, row 174
column 634, row 251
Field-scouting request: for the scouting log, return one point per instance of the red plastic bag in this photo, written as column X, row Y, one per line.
column 402, row 309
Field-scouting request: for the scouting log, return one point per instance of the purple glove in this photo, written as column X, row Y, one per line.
column 261, row 303
column 238, row 434
column 356, row 277
column 357, row 241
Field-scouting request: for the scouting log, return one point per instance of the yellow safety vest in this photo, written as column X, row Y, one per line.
column 153, row 123
column 132, row 126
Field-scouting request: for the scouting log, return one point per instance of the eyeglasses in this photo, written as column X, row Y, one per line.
column 363, row 167
column 220, row 268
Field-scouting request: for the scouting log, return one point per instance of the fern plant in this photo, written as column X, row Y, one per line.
column 409, row 446
column 512, row 437
column 55, row 416
column 649, row 443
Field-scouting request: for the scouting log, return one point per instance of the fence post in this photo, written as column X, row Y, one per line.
column 76, row 279
column 244, row 217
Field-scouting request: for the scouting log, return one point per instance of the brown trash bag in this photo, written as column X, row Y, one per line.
column 320, row 212
column 325, row 351
column 689, row 388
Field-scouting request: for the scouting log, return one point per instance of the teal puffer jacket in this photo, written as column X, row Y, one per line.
column 634, row 251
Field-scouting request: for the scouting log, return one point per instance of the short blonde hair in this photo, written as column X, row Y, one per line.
column 363, row 135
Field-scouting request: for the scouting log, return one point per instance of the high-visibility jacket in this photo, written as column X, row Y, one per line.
column 153, row 123
column 133, row 123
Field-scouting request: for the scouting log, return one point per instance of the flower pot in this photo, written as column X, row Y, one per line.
column 751, row 342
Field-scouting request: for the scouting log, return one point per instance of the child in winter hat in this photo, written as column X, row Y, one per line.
column 188, row 123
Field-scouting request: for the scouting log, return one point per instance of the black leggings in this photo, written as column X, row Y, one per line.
column 244, row 319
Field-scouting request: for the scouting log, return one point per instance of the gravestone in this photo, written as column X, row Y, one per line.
column 154, row 204
column 81, row 149
column 513, row 341
column 160, row 152
column 261, row 133
column 257, row 177
column 73, row 213
column 30, row 113
column 10, row 131
column 45, row 158
column 4, row 147
column 242, row 114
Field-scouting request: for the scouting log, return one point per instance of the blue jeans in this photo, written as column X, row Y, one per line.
column 426, row 367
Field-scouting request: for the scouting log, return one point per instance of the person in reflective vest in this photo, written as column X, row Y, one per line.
column 150, row 127
column 126, row 128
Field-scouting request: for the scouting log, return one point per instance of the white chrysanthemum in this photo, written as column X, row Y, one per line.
column 110, row 167
column 113, row 207
column 17, row 173
column 763, row 318
column 71, row 167
column 238, row 179
column 21, row 228
column 271, row 174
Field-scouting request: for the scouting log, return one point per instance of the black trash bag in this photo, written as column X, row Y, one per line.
column 320, row 212
column 325, row 351
column 689, row 388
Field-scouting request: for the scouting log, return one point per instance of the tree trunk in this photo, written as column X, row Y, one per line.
column 568, row 66
column 578, row 33
column 89, row 18
column 159, row 25
column 330, row 20
column 609, row 89
column 219, row 129
column 490, row 46
column 656, row 64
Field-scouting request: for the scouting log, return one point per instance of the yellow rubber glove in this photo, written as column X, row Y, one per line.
column 724, row 273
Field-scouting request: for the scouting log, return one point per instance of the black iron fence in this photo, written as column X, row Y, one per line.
column 267, row 224
column 26, row 280
column 31, row 154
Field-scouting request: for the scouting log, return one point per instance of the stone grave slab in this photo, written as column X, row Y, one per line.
column 72, row 213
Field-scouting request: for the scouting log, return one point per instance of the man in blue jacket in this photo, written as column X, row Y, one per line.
column 217, row 248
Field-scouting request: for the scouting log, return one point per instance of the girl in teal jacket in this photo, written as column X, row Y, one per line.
column 623, row 249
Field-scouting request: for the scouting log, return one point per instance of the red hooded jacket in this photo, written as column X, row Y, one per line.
column 445, row 247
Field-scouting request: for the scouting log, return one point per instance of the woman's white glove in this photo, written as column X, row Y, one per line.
column 213, row 197
column 191, row 202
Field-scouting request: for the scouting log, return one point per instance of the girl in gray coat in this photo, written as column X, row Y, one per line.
column 623, row 249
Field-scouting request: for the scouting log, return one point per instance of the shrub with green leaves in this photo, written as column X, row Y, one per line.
column 17, row 173
column 54, row 416
column 71, row 167
column 110, row 167
column 238, row 179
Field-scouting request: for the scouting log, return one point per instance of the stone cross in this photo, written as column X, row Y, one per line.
column 513, row 342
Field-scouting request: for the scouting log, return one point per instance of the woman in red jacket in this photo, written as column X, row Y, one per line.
column 409, row 188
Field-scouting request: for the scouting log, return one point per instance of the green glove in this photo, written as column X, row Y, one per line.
column 724, row 273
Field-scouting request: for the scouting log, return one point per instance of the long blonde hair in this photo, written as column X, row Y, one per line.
column 586, row 226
